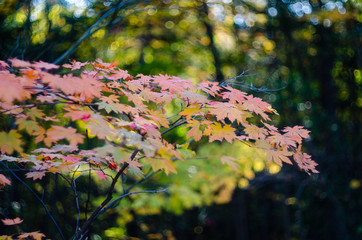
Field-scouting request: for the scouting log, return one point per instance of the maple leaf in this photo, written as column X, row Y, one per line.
column 110, row 99
column 10, row 222
column 305, row 162
column 19, row 63
column 108, row 107
column 99, row 126
column 279, row 156
column 53, row 119
column 46, row 98
column 195, row 131
column 10, row 142
column 3, row 64
column 30, row 75
column 208, row 87
column 36, row 235
column 159, row 118
column 226, row 110
column 192, row 110
column 255, row 132
column 102, row 65
column 89, row 87
column 68, row 84
column 172, row 84
column 77, row 113
column 297, row 133
column 30, row 126
column 135, row 85
column 75, row 65
column 135, row 164
column 34, row 113
column 281, row 140
column 120, row 74
column 51, row 156
column 11, row 88
column 137, row 99
column 35, row 175
column 272, row 129
column 4, row 180
column 232, row 162
column 234, row 95
column 157, row 97
column 44, row 65
column 151, row 131
column 218, row 132
column 165, row 164
column 192, row 97
column 258, row 106
column 56, row 133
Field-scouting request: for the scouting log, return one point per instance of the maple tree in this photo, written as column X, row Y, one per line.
column 128, row 115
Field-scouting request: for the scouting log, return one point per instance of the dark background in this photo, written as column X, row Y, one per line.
column 309, row 50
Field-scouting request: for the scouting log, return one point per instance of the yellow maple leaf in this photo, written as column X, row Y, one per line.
column 10, row 142
column 34, row 113
column 192, row 110
column 166, row 164
column 218, row 132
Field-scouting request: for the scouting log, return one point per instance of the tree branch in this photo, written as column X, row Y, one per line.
column 79, row 234
column 92, row 29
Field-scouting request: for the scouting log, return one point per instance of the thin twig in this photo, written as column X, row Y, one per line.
column 37, row 197
column 173, row 127
column 128, row 194
column 76, row 202
column 142, row 180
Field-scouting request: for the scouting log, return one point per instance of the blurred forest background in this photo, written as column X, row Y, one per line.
column 307, row 53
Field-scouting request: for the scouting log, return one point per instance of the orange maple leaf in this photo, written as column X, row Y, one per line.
column 56, row 133
column 218, row 132
column 159, row 118
column 255, row 132
column 279, row 156
column 226, row 110
column 195, row 131
column 102, row 65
